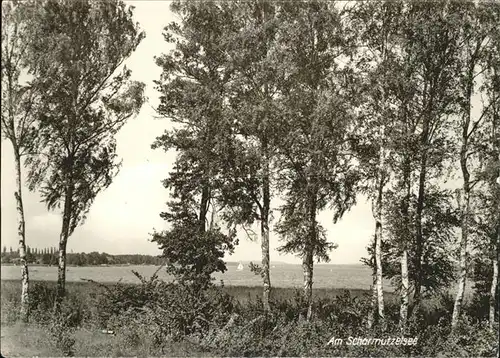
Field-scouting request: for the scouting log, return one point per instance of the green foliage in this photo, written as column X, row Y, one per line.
column 439, row 228
column 315, row 168
column 17, row 124
column 62, row 332
column 192, row 255
column 469, row 339
column 161, row 309
column 73, row 312
column 254, row 113
column 86, row 97
column 157, row 317
column 44, row 257
column 192, row 88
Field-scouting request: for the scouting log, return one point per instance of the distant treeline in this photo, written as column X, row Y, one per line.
column 48, row 256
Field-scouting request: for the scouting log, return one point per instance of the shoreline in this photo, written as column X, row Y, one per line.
column 229, row 264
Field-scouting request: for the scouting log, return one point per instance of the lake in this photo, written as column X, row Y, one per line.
column 282, row 275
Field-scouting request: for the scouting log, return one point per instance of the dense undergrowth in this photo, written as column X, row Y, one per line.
column 151, row 317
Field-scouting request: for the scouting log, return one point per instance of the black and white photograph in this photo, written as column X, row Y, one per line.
column 250, row 178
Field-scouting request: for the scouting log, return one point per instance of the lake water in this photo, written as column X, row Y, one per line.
column 282, row 275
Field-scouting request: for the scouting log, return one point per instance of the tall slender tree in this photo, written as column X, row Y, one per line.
column 253, row 106
column 193, row 88
column 87, row 96
column 378, row 26
column 432, row 44
column 418, row 146
column 494, row 184
column 485, row 206
column 475, row 38
column 18, row 124
column 316, row 168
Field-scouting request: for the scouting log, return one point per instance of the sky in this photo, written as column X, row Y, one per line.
column 123, row 215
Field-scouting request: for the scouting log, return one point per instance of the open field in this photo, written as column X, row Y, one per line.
column 19, row 340
column 11, row 289
column 282, row 275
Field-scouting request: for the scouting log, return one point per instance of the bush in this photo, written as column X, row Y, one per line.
column 347, row 314
column 62, row 330
column 167, row 309
column 11, row 303
column 42, row 299
column 153, row 316
column 468, row 339
column 284, row 331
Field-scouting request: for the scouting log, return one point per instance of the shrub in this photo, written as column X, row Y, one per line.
column 169, row 309
column 153, row 316
column 10, row 302
column 62, row 330
column 346, row 313
column 468, row 339
column 284, row 331
column 42, row 299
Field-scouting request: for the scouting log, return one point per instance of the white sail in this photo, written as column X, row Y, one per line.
column 240, row 267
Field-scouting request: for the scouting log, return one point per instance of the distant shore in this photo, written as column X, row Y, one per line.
column 232, row 263
column 102, row 265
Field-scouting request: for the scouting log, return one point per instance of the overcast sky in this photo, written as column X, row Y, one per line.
column 123, row 215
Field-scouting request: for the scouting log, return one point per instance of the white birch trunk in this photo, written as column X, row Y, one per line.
column 494, row 283
column 307, row 266
column 457, row 308
column 265, row 265
column 493, row 290
column 405, row 292
column 377, row 214
column 373, row 302
column 378, row 261
column 21, row 234
column 63, row 241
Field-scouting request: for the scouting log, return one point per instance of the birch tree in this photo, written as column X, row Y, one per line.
column 484, row 144
column 475, row 38
column 419, row 152
column 494, row 179
column 390, row 84
column 316, row 168
column 18, row 124
column 87, row 96
column 253, row 96
column 432, row 44
column 378, row 26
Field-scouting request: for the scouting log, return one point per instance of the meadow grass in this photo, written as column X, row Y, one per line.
column 249, row 293
column 31, row 340
column 34, row 339
column 338, row 312
column 11, row 290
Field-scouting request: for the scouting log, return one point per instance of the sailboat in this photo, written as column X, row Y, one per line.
column 240, row 267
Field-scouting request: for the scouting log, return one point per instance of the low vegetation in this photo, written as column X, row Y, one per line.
column 154, row 318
